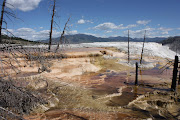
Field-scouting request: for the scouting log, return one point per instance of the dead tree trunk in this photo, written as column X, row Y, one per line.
column 2, row 14
column 143, row 47
column 175, row 71
column 179, row 79
column 128, row 46
column 62, row 35
column 136, row 78
column 52, row 20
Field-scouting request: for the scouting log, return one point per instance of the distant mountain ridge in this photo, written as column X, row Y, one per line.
column 83, row 38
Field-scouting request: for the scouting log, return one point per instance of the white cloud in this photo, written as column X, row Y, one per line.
column 72, row 32
column 129, row 26
column 31, row 34
column 110, row 31
column 7, row 32
column 89, row 21
column 108, row 26
column 150, row 32
column 143, row 22
column 140, row 33
column 25, row 30
column 158, row 32
column 23, row 5
column 82, row 21
column 149, row 28
column 137, row 33
column 165, row 31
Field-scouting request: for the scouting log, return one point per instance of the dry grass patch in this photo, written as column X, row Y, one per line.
column 109, row 64
column 112, row 49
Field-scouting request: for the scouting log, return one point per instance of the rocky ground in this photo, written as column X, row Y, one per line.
column 98, row 84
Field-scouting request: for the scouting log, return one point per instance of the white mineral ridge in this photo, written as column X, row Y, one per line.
column 150, row 48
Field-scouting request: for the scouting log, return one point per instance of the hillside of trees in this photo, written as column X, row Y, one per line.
column 17, row 40
column 173, row 43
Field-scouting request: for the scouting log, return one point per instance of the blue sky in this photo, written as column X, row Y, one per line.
column 102, row 18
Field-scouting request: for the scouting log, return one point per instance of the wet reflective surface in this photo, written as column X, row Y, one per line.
column 120, row 89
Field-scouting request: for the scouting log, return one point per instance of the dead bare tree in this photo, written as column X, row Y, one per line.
column 62, row 35
column 143, row 47
column 2, row 15
column 128, row 47
column 9, row 14
column 15, row 100
column 52, row 20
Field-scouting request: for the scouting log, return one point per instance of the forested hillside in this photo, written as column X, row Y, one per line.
column 173, row 43
column 17, row 40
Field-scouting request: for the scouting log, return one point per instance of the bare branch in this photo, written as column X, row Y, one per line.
column 1, row 20
column 128, row 47
column 9, row 18
column 143, row 47
column 11, row 14
column 52, row 20
column 9, row 32
column 10, row 4
column 57, row 24
column 62, row 34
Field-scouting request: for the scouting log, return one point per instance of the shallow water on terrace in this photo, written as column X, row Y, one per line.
column 132, row 62
column 128, row 95
column 114, row 81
